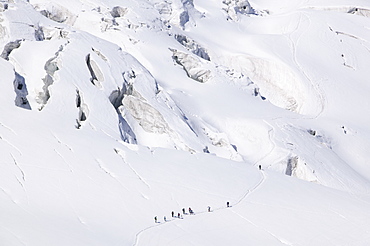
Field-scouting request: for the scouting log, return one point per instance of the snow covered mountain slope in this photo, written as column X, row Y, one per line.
column 115, row 112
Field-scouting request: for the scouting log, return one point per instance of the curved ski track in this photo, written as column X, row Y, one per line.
column 243, row 197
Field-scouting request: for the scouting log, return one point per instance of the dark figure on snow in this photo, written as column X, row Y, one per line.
column 259, row 166
column 191, row 211
column 155, row 219
column 209, row 209
column 173, row 214
column 178, row 215
column 164, row 218
column 183, row 210
column 227, row 204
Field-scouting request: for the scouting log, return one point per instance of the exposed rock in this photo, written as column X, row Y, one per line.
column 83, row 110
column 193, row 46
column 21, row 92
column 150, row 119
column 237, row 7
column 118, row 12
column 9, row 47
column 57, row 13
column 96, row 75
column 192, row 65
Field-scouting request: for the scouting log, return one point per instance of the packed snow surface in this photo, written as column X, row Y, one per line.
column 116, row 113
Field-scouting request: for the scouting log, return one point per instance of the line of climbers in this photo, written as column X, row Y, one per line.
column 179, row 216
column 191, row 212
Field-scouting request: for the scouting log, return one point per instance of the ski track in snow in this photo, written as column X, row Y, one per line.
column 270, row 134
column 132, row 169
column 11, row 145
column 7, row 194
column 242, row 198
column 14, row 235
column 250, row 191
column 60, row 142
column 315, row 86
column 8, row 128
column 19, row 168
column 64, row 160
column 345, row 218
column 81, row 221
column 261, row 228
column 183, row 235
column 64, row 193
column 105, row 170
column 23, row 178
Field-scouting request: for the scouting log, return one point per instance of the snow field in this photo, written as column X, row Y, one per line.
column 114, row 113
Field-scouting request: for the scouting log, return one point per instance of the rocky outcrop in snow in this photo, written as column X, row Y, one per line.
column 2, row 31
column 96, row 75
column 296, row 167
column 83, row 110
column 21, row 92
column 237, row 7
column 277, row 83
column 344, row 9
column 148, row 117
column 3, row 6
column 360, row 11
column 57, row 13
column 178, row 12
column 9, row 47
column 51, row 66
column 192, row 65
column 118, row 11
column 193, row 46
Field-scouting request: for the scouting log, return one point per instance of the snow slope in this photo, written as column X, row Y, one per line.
column 113, row 113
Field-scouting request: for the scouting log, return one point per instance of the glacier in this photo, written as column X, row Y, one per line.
column 113, row 113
